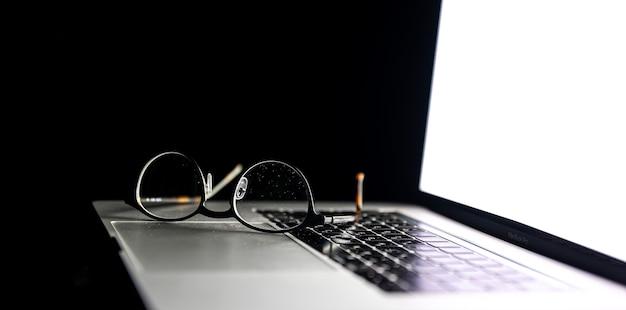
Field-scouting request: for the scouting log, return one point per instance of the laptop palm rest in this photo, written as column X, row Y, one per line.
column 211, row 246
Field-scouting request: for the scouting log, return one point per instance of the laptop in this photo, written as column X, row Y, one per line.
column 521, row 184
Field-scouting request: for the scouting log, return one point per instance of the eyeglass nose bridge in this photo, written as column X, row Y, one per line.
column 204, row 210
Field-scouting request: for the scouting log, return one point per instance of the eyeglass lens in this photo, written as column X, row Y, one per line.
column 271, row 186
column 171, row 186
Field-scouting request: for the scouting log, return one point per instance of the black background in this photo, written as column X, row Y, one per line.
column 333, row 88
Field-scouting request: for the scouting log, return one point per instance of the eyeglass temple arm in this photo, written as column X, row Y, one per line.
column 359, row 195
column 342, row 218
column 212, row 190
column 339, row 219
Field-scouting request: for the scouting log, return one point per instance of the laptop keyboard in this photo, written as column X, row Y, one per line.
column 396, row 254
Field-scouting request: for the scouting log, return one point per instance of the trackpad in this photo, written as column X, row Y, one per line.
column 211, row 246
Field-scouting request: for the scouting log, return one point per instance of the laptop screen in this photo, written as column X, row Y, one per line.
column 527, row 118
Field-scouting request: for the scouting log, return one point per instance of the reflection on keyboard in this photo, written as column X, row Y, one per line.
column 398, row 255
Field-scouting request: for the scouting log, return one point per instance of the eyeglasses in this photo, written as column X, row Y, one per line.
column 270, row 196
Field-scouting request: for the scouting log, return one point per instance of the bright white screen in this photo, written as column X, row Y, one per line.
column 527, row 117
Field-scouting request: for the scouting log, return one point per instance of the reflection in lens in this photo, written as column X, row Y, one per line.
column 269, row 187
column 171, row 186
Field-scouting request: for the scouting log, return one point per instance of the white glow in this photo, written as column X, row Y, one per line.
column 528, row 115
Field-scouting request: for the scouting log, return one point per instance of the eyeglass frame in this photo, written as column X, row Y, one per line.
column 312, row 218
